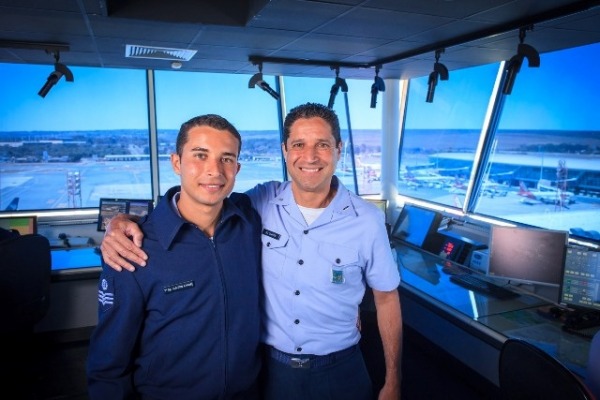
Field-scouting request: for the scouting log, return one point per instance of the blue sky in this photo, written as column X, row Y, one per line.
column 115, row 99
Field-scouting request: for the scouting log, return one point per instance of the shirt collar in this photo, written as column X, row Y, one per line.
column 171, row 222
column 341, row 204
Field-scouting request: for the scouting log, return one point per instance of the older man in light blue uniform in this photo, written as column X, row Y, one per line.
column 321, row 245
column 314, row 275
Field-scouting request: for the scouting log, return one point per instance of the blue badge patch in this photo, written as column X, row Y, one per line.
column 337, row 276
column 178, row 286
column 106, row 294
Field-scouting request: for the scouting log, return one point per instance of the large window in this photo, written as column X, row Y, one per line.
column 183, row 95
column 440, row 138
column 544, row 168
column 85, row 140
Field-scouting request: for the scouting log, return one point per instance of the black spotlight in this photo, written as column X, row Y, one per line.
column 257, row 80
column 377, row 86
column 439, row 72
column 60, row 70
column 335, row 88
column 513, row 66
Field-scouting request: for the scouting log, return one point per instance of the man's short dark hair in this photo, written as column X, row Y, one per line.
column 211, row 120
column 312, row 110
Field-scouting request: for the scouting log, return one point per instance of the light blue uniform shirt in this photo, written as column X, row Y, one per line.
column 314, row 276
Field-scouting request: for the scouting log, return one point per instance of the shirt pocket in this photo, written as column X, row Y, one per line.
column 342, row 265
column 274, row 251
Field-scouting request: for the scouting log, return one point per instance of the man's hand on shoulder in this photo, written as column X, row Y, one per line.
column 121, row 243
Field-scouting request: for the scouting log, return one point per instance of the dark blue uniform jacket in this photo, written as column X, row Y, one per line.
column 187, row 325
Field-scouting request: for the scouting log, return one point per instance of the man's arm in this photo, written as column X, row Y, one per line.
column 389, row 320
column 111, row 352
column 121, row 243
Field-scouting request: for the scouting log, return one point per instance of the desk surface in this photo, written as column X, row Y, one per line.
column 518, row 317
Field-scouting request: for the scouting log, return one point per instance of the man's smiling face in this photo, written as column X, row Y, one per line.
column 311, row 155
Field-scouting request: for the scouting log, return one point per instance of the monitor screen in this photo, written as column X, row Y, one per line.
column 25, row 225
column 415, row 224
column 580, row 286
column 527, row 255
column 110, row 207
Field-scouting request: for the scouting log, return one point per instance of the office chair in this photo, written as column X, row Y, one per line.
column 25, row 265
column 593, row 366
column 528, row 372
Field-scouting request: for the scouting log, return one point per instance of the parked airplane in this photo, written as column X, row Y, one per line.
column 371, row 172
column 493, row 189
column 459, row 186
column 545, row 194
column 432, row 177
column 48, row 158
column 13, row 205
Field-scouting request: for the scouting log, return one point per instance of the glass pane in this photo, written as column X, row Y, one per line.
column 440, row 138
column 545, row 167
column 85, row 140
column 184, row 95
column 364, row 127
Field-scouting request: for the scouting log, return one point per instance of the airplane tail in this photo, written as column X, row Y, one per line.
column 522, row 188
column 13, row 206
column 457, row 202
column 358, row 162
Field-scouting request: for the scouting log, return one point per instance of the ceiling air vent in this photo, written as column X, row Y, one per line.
column 158, row 53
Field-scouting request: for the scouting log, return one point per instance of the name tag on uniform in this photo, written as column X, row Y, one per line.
column 271, row 234
column 178, row 286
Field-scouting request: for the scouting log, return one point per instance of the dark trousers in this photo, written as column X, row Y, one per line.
column 345, row 379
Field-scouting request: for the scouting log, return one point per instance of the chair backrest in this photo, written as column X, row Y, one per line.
column 528, row 372
column 25, row 267
column 593, row 367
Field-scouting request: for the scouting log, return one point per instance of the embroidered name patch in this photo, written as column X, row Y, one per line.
column 271, row 234
column 178, row 286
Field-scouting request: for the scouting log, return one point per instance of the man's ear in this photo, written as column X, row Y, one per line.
column 340, row 146
column 176, row 163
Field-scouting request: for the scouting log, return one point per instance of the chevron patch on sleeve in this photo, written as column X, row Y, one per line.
column 106, row 294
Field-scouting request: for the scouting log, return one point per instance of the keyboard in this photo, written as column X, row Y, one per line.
column 479, row 285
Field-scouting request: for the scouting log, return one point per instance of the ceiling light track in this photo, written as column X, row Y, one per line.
column 300, row 61
column 48, row 47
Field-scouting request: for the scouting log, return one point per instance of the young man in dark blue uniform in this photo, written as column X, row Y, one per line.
column 189, row 326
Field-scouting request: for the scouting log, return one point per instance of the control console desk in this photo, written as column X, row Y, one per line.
column 472, row 326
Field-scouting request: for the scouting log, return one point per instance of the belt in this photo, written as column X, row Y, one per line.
column 309, row 361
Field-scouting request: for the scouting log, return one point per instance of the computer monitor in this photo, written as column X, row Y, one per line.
column 110, row 207
column 415, row 224
column 580, row 286
column 527, row 255
column 380, row 203
column 25, row 225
